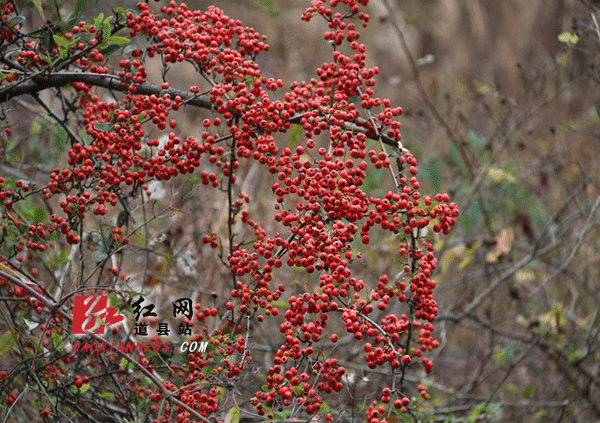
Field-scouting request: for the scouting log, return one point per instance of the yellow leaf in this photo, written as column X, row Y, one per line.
column 524, row 275
column 8, row 270
column 543, row 145
column 233, row 415
column 567, row 37
column 7, row 341
column 571, row 171
column 499, row 175
column 305, row 158
column 469, row 255
column 480, row 87
column 491, row 257
column 503, row 246
column 563, row 37
column 294, row 137
column 220, row 393
column 452, row 254
column 504, row 240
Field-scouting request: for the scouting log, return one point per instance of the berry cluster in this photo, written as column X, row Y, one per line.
column 7, row 30
column 321, row 206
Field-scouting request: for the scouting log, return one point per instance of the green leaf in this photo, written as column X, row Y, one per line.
column 117, row 39
column 105, row 395
column 110, row 50
column 507, row 355
column 405, row 417
column 59, row 135
column 354, row 100
column 433, row 172
column 130, row 48
column 84, row 388
column 411, row 20
column 106, row 30
column 14, row 231
column 453, row 156
column 233, row 415
column 521, row 196
column 476, row 412
column 39, row 215
column 39, row 8
column 46, row 40
column 104, row 126
column 8, row 270
column 493, row 407
column 268, row 7
column 113, row 301
column 98, row 256
column 468, row 256
column 63, row 257
column 79, row 7
column 476, row 141
column 99, row 19
column 295, row 133
column 56, row 340
column 62, row 42
column 35, row 342
column 7, row 341
column 470, row 218
column 16, row 20
column 124, row 363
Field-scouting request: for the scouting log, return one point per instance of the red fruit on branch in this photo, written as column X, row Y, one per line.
column 324, row 209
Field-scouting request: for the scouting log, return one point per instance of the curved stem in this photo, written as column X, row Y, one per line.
column 55, row 308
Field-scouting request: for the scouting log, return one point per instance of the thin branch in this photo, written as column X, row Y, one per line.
column 496, row 283
column 421, row 89
column 57, row 118
column 578, row 243
column 40, row 82
column 596, row 25
column 55, row 308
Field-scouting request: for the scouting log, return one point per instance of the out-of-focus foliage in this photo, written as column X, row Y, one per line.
column 507, row 121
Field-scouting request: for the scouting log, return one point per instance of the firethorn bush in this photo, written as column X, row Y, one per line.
column 298, row 265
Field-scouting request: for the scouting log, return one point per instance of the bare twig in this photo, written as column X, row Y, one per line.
column 416, row 75
column 596, row 24
column 578, row 243
column 55, row 308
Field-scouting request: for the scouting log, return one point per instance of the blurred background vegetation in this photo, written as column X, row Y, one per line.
column 502, row 102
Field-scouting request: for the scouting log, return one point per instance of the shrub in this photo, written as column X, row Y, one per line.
column 306, row 264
